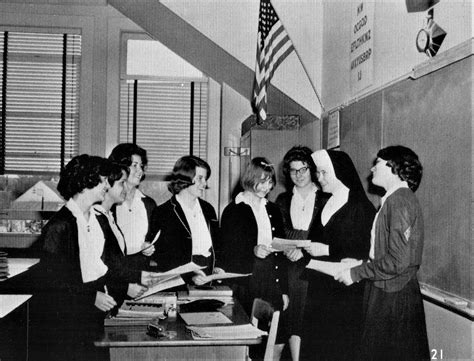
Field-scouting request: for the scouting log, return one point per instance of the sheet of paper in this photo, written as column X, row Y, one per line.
column 233, row 332
column 225, row 275
column 332, row 268
column 188, row 267
column 204, row 318
column 162, row 285
column 282, row 244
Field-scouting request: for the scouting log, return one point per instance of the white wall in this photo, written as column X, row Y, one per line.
column 394, row 35
column 232, row 24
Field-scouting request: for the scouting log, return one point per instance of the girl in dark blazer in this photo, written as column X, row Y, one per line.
column 115, row 249
column 394, row 325
column 188, row 224
column 75, row 295
column 248, row 226
column 299, row 206
column 134, row 214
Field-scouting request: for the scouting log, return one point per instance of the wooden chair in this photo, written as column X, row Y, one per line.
column 266, row 318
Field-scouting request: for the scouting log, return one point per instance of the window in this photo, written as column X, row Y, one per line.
column 39, row 100
column 163, row 106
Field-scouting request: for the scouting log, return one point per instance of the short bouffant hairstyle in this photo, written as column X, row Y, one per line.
column 258, row 170
column 116, row 172
column 302, row 154
column 82, row 172
column 184, row 172
column 122, row 154
column 404, row 163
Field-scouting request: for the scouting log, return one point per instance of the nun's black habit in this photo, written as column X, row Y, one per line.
column 333, row 312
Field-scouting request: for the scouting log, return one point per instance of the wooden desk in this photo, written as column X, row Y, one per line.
column 132, row 342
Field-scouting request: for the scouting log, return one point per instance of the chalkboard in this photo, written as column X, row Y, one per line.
column 433, row 116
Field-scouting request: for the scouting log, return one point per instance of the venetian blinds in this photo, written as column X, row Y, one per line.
column 168, row 119
column 39, row 101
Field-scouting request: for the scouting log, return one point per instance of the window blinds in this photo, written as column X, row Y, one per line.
column 163, row 121
column 40, row 99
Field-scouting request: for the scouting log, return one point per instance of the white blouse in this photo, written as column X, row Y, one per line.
column 301, row 209
column 133, row 221
column 200, row 234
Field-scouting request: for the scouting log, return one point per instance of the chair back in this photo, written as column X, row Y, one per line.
column 266, row 318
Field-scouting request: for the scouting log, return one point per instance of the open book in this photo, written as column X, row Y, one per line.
column 332, row 268
column 171, row 278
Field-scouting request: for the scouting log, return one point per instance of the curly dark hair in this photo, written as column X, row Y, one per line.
column 122, row 154
column 82, row 172
column 298, row 153
column 404, row 163
column 184, row 171
column 252, row 176
column 116, row 171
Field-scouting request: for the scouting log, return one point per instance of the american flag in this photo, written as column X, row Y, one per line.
column 273, row 46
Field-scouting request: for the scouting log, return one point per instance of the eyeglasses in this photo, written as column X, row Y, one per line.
column 299, row 171
column 321, row 173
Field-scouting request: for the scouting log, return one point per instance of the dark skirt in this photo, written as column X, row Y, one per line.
column 394, row 326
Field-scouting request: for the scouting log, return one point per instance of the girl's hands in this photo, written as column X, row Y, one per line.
column 294, row 254
column 148, row 249
column 261, row 251
column 199, row 278
column 286, row 301
column 104, row 302
column 316, row 249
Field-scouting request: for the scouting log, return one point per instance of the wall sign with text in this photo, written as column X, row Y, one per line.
column 361, row 47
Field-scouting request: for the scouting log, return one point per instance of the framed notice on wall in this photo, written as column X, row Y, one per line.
column 361, row 47
column 333, row 130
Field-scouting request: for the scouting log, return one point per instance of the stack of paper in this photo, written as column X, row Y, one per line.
column 204, row 318
column 232, row 332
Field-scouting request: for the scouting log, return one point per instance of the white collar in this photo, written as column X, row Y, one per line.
column 244, row 197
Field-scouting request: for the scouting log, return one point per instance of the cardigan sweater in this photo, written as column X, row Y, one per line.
column 399, row 236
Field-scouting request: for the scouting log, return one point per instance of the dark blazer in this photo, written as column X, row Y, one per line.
column 69, row 319
column 174, row 247
column 284, row 202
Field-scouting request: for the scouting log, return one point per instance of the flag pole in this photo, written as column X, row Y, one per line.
column 309, row 78
column 304, row 68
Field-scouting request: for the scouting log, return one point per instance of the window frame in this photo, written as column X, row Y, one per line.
column 64, row 158
column 124, row 77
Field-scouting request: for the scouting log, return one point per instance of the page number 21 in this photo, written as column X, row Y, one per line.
column 437, row 354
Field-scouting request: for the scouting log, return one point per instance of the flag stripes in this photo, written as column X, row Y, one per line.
column 273, row 46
